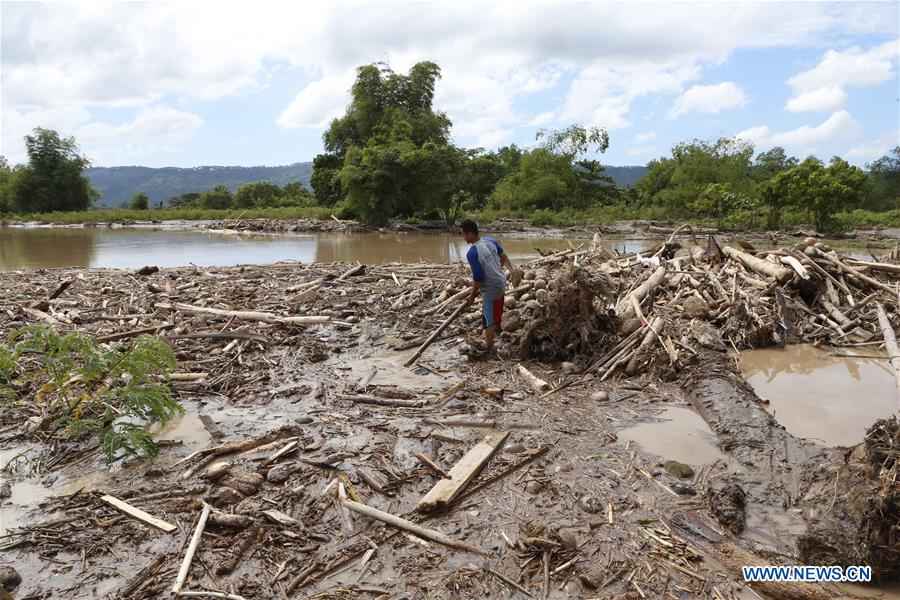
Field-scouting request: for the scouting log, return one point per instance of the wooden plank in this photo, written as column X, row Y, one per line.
column 211, row 426
column 462, row 473
column 138, row 514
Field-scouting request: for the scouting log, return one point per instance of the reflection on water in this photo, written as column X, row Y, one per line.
column 44, row 247
column 815, row 394
column 681, row 434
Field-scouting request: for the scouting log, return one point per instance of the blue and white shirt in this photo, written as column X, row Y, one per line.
column 484, row 258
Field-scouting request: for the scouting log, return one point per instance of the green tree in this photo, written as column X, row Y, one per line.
column 7, row 186
column 551, row 176
column 53, row 178
column 257, row 193
column 380, row 155
column 140, row 201
column 884, row 182
column 677, row 182
column 766, row 166
column 188, row 200
column 821, row 190
column 218, row 197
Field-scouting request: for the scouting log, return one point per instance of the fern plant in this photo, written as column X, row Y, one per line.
column 116, row 391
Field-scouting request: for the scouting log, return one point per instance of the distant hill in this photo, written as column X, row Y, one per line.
column 626, row 175
column 119, row 184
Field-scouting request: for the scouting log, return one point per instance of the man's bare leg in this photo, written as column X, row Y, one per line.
column 489, row 339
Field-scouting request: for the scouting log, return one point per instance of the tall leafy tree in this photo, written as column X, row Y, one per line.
column 218, row 197
column 884, row 182
column 821, row 190
column 53, row 178
column 380, row 156
column 140, row 201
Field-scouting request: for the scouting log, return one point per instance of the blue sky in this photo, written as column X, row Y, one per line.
column 194, row 83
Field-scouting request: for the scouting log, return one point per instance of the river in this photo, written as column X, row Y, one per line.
column 55, row 247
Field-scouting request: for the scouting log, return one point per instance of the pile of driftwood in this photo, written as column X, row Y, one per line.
column 545, row 494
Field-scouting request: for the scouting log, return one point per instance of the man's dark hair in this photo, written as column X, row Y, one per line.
column 469, row 226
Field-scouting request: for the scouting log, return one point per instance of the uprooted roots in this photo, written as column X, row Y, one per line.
column 570, row 319
column 881, row 519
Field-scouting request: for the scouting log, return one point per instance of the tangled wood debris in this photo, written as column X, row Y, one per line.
column 330, row 469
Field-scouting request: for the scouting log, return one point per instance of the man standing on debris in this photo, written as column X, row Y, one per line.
column 486, row 257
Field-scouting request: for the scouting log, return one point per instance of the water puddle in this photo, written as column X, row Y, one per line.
column 818, row 395
column 186, row 428
column 680, row 434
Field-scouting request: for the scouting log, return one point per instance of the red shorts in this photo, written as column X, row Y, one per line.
column 492, row 312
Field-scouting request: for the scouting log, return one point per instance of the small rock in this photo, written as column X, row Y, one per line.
column 540, row 284
column 695, row 308
column 568, row 537
column 569, row 368
column 590, row 504
column 223, row 496
column 679, row 469
column 542, row 296
column 593, row 579
column 246, row 482
column 534, row 487
column 352, row 319
column 530, row 274
column 600, row 396
column 150, row 472
column 147, row 271
column 514, row 448
column 250, row 506
column 5, row 490
column 683, row 489
column 304, row 420
column 509, row 302
column 810, row 241
column 32, row 424
column 279, row 473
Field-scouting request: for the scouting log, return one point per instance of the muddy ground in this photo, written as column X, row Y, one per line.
column 563, row 509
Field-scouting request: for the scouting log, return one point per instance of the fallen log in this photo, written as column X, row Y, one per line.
column 856, row 273
column 244, row 315
column 462, row 473
column 422, row 532
column 890, row 343
column 358, row 399
column 436, row 333
column 763, row 267
column 650, row 337
column 138, row 514
column 625, row 307
column 536, row 382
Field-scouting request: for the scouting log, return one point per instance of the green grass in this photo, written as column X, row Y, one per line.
column 594, row 216
column 124, row 215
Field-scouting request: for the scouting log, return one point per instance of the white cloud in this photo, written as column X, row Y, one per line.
column 494, row 57
column 875, row 148
column 708, row 99
column 156, row 129
column 821, row 88
column 839, row 127
column 642, row 150
column 16, row 125
column 317, row 103
column 643, row 137
column 823, row 99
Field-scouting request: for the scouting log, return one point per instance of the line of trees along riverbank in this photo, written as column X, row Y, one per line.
column 391, row 156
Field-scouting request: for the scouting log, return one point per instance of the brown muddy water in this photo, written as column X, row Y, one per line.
column 56, row 247
column 678, row 433
column 823, row 394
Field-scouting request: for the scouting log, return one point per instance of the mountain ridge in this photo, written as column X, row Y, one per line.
column 118, row 184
